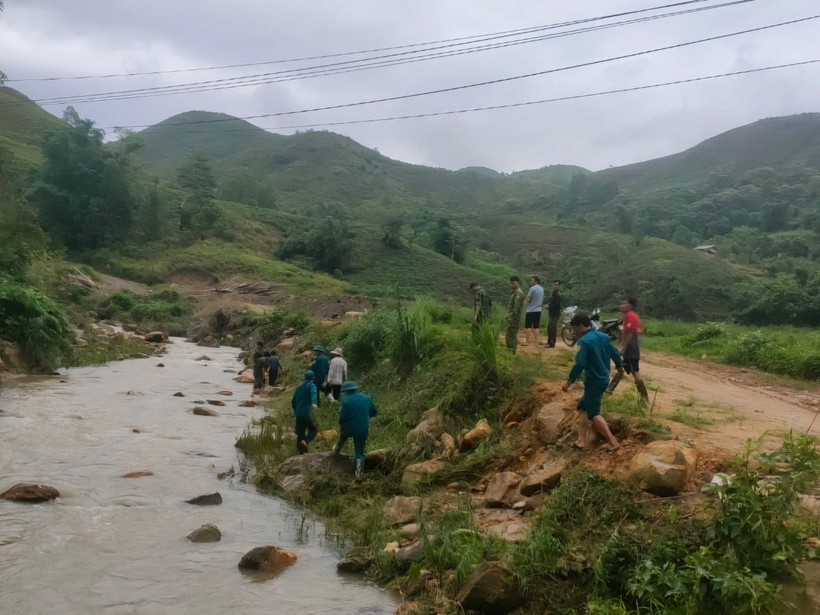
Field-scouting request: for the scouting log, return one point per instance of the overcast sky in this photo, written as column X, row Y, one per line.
column 58, row 38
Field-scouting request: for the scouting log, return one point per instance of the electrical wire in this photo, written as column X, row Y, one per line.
column 493, row 81
column 502, row 106
column 466, row 39
column 339, row 67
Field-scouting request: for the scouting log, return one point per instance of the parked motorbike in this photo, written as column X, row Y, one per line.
column 612, row 327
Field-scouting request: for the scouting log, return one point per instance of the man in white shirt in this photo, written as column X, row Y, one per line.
column 532, row 316
column 337, row 374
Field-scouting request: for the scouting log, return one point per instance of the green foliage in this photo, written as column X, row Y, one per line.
column 36, row 324
column 783, row 299
column 326, row 242
column 82, row 190
column 165, row 308
column 21, row 239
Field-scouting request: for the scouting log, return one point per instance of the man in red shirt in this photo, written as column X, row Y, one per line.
column 631, row 344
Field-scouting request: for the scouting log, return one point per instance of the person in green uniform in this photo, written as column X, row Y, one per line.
column 354, row 422
column 482, row 304
column 514, row 309
column 595, row 351
column 320, row 369
column 304, row 401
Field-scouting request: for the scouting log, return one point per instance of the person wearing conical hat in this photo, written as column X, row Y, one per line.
column 320, row 368
column 304, row 401
column 354, row 422
column 337, row 374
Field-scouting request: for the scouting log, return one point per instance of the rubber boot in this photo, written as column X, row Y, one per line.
column 359, row 469
column 642, row 390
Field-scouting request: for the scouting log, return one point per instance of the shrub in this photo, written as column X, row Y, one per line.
column 35, row 323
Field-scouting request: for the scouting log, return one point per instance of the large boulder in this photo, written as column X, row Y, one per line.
column 211, row 499
column 155, row 337
column 432, row 424
column 245, row 377
column 203, row 411
column 287, row 343
column 401, row 510
column 501, row 490
column 475, row 436
column 30, row 492
column 663, row 467
column 358, row 560
column 206, row 533
column 544, row 479
column 550, row 422
column 269, row 559
column 492, row 589
column 314, row 463
column 411, row 552
column 418, row 472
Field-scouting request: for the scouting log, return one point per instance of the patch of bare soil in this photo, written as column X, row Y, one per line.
column 111, row 284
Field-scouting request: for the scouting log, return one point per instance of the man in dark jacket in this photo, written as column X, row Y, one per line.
column 260, row 364
column 354, row 422
column 594, row 352
column 274, row 365
column 320, row 367
column 304, row 402
column 554, row 310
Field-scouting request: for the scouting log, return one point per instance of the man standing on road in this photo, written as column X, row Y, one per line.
column 514, row 309
column 482, row 304
column 532, row 318
column 304, row 401
column 594, row 352
column 631, row 344
column 554, row 310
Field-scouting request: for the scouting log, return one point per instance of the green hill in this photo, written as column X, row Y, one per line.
column 782, row 143
column 22, row 127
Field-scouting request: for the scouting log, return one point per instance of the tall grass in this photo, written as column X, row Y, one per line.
column 788, row 351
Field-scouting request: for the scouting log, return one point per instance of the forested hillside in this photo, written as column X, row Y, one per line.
column 336, row 215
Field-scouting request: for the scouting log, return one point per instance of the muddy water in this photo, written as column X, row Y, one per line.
column 116, row 545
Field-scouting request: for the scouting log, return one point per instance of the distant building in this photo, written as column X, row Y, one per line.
column 710, row 250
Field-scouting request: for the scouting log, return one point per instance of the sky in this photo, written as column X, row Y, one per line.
column 53, row 38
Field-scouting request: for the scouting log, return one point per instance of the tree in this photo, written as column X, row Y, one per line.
column 392, row 232
column 196, row 177
column 82, row 192
column 449, row 242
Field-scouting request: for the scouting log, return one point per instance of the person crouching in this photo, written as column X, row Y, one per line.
column 354, row 422
column 304, row 402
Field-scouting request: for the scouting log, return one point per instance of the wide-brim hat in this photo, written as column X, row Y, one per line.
column 319, row 348
column 336, row 351
column 349, row 386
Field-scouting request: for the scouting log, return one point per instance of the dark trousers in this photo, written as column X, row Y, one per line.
column 552, row 329
column 305, row 431
column 359, row 440
column 336, row 391
column 272, row 375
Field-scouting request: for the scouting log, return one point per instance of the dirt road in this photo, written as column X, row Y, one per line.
column 734, row 403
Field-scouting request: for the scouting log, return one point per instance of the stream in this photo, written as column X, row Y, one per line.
column 118, row 545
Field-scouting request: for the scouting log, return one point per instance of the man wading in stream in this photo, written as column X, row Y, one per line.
column 594, row 352
column 304, row 401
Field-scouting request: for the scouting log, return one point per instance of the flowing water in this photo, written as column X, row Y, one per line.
column 117, row 545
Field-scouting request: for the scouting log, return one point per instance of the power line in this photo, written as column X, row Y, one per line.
column 342, row 67
column 503, row 106
column 493, row 81
column 548, row 100
column 467, row 39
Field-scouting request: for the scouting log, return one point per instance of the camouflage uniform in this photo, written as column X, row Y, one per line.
column 514, row 310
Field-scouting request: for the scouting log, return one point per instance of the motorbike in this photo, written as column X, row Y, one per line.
column 612, row 327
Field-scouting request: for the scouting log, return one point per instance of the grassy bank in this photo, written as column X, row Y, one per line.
column 593, row 545
column 789, row 351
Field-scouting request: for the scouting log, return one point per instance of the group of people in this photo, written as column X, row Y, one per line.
column 595, row 350
column 328, row 376
column 531, row 305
